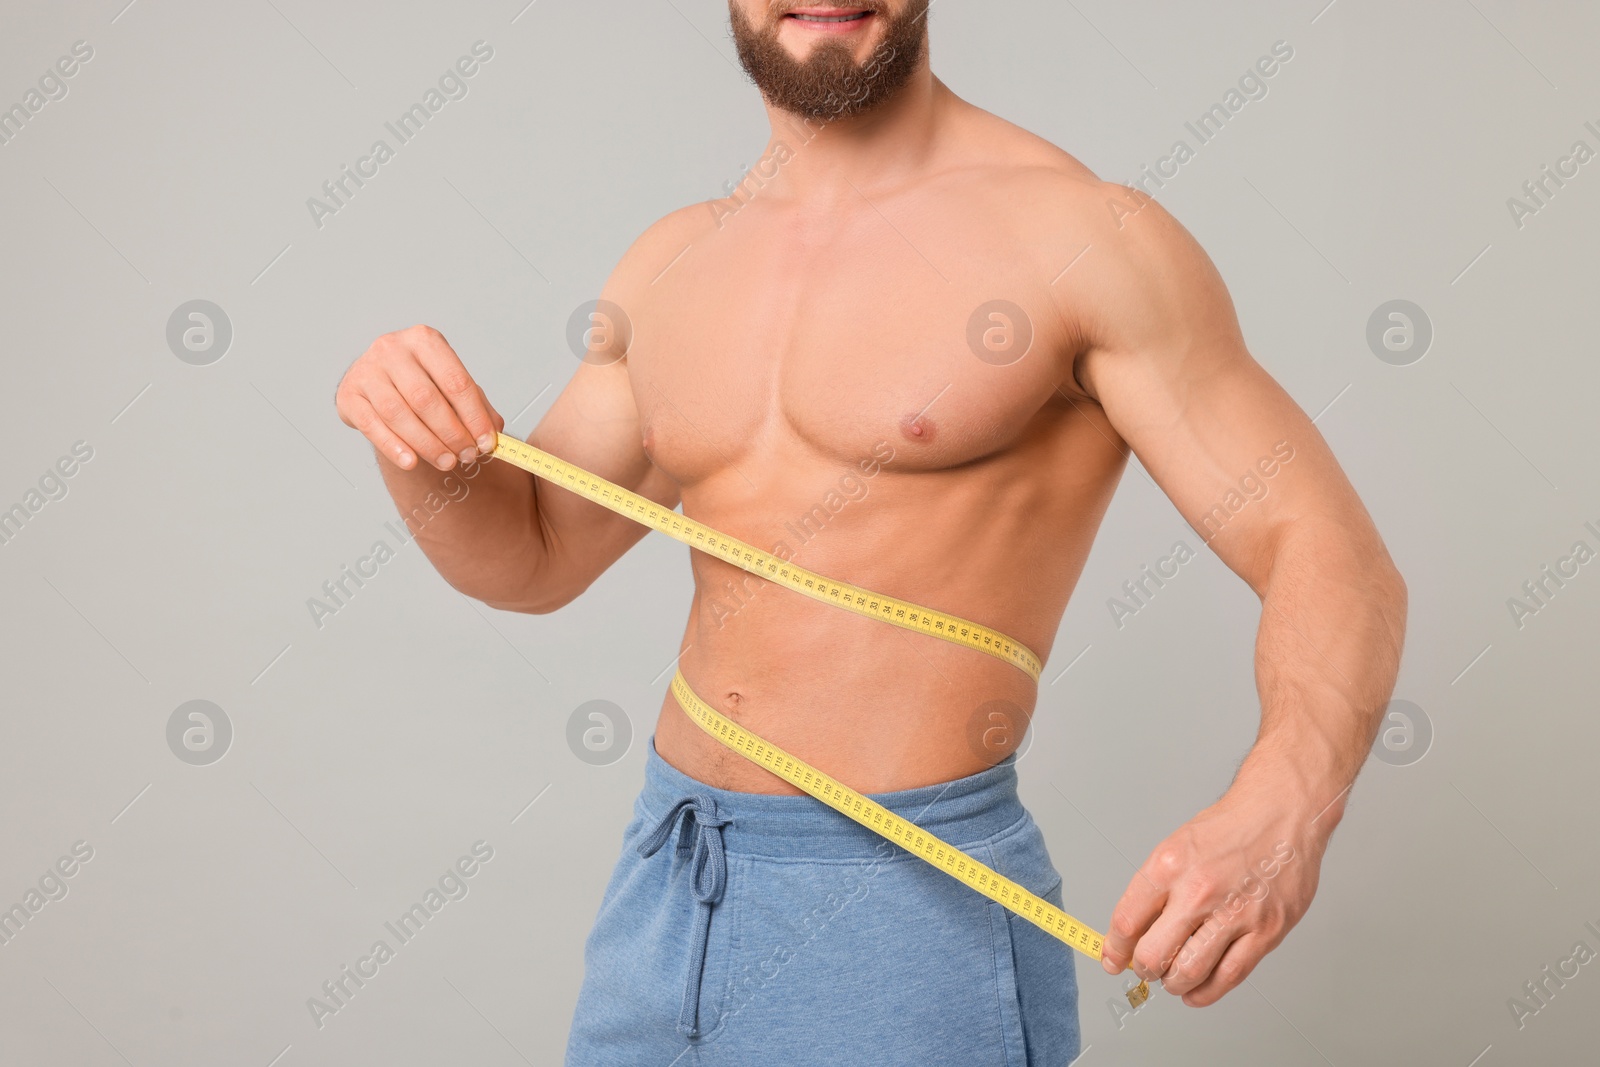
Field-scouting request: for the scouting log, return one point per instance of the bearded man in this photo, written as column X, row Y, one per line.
column 965, row 330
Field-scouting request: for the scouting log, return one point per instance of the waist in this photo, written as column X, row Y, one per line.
column 962, row 811
column 880, row 710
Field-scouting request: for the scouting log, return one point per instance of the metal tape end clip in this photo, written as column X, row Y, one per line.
column 1139, row 994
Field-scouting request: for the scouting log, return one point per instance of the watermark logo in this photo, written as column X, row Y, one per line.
column 599, row 732
column 338, row 191
column 199, row 732
column 52, row 86
column 999, row 332
column 452, row 885
column 1552, row 578
column 52, row 886
column 52, row 485
column 341, row 589
column 733, row 597
column 752, row 180
column 1541, row 991
column 1251, row 85
column 199, row 332
column 1251, row 488
column 1252, row 889
column 998, row 727
column 1405, row 736
column 751, row 981
column 1141, row 590
column 599, row 332
column 1399, row 332
column 1542, row 188
column 1224, row 919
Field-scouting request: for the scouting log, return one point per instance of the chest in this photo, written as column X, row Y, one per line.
column 760, row 342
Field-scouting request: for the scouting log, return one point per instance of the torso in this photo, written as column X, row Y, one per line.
column 809, row 384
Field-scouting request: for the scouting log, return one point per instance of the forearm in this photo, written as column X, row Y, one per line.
column 478, row 525
column 1327, row 653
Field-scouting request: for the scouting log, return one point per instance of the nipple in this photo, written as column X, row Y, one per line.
column 917, row 428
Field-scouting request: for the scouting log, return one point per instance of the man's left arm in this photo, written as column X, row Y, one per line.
column 1157, row 346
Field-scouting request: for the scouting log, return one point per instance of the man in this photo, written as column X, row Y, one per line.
column 962, row 327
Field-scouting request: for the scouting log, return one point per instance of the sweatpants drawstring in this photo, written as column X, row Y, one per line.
column 708, row 876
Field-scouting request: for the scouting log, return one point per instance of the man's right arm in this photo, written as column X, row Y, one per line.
column 511, row 540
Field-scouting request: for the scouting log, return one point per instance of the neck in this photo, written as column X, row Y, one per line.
column 831, row 159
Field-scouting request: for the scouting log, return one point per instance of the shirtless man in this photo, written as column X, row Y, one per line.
column 888, row 299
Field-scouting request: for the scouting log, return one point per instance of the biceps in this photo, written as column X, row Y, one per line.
column 1166, row 359
column 594, row 423
column 1231, row 449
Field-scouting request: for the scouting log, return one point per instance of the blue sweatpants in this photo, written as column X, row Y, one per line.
column 746, row 929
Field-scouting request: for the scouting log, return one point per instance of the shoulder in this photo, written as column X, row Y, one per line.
column 1124, row 274
column 1060, row 202
column 1123, row 271
column 627, row 298
column 1120, row 230
column 1147, row 299
column 662, row 242
column 1054, row 208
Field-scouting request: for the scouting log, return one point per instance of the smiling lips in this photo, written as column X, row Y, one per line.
column 830, row 19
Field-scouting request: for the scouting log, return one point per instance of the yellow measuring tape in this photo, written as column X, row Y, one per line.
column 902, row 613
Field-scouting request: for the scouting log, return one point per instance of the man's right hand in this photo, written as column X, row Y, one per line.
column 410, row 394
column 509, row 538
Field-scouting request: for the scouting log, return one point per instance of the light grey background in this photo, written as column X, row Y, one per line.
column 370, row 753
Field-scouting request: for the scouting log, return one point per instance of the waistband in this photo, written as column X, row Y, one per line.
column 963, row 811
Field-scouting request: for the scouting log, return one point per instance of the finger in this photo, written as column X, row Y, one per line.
column 494, row 416
column 1197, row 957
column 425, row 400
column 398, row 416
column 462, row 393
column 385, row 440
column 1141, row 903
column 1234, row 967
column 1158, row 949
column 495, row 425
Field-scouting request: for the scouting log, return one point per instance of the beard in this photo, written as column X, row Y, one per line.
column 828, row 83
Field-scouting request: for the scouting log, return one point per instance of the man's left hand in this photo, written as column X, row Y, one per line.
column 1217, row 896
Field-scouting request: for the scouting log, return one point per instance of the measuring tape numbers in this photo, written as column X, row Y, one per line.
column 831, row 792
